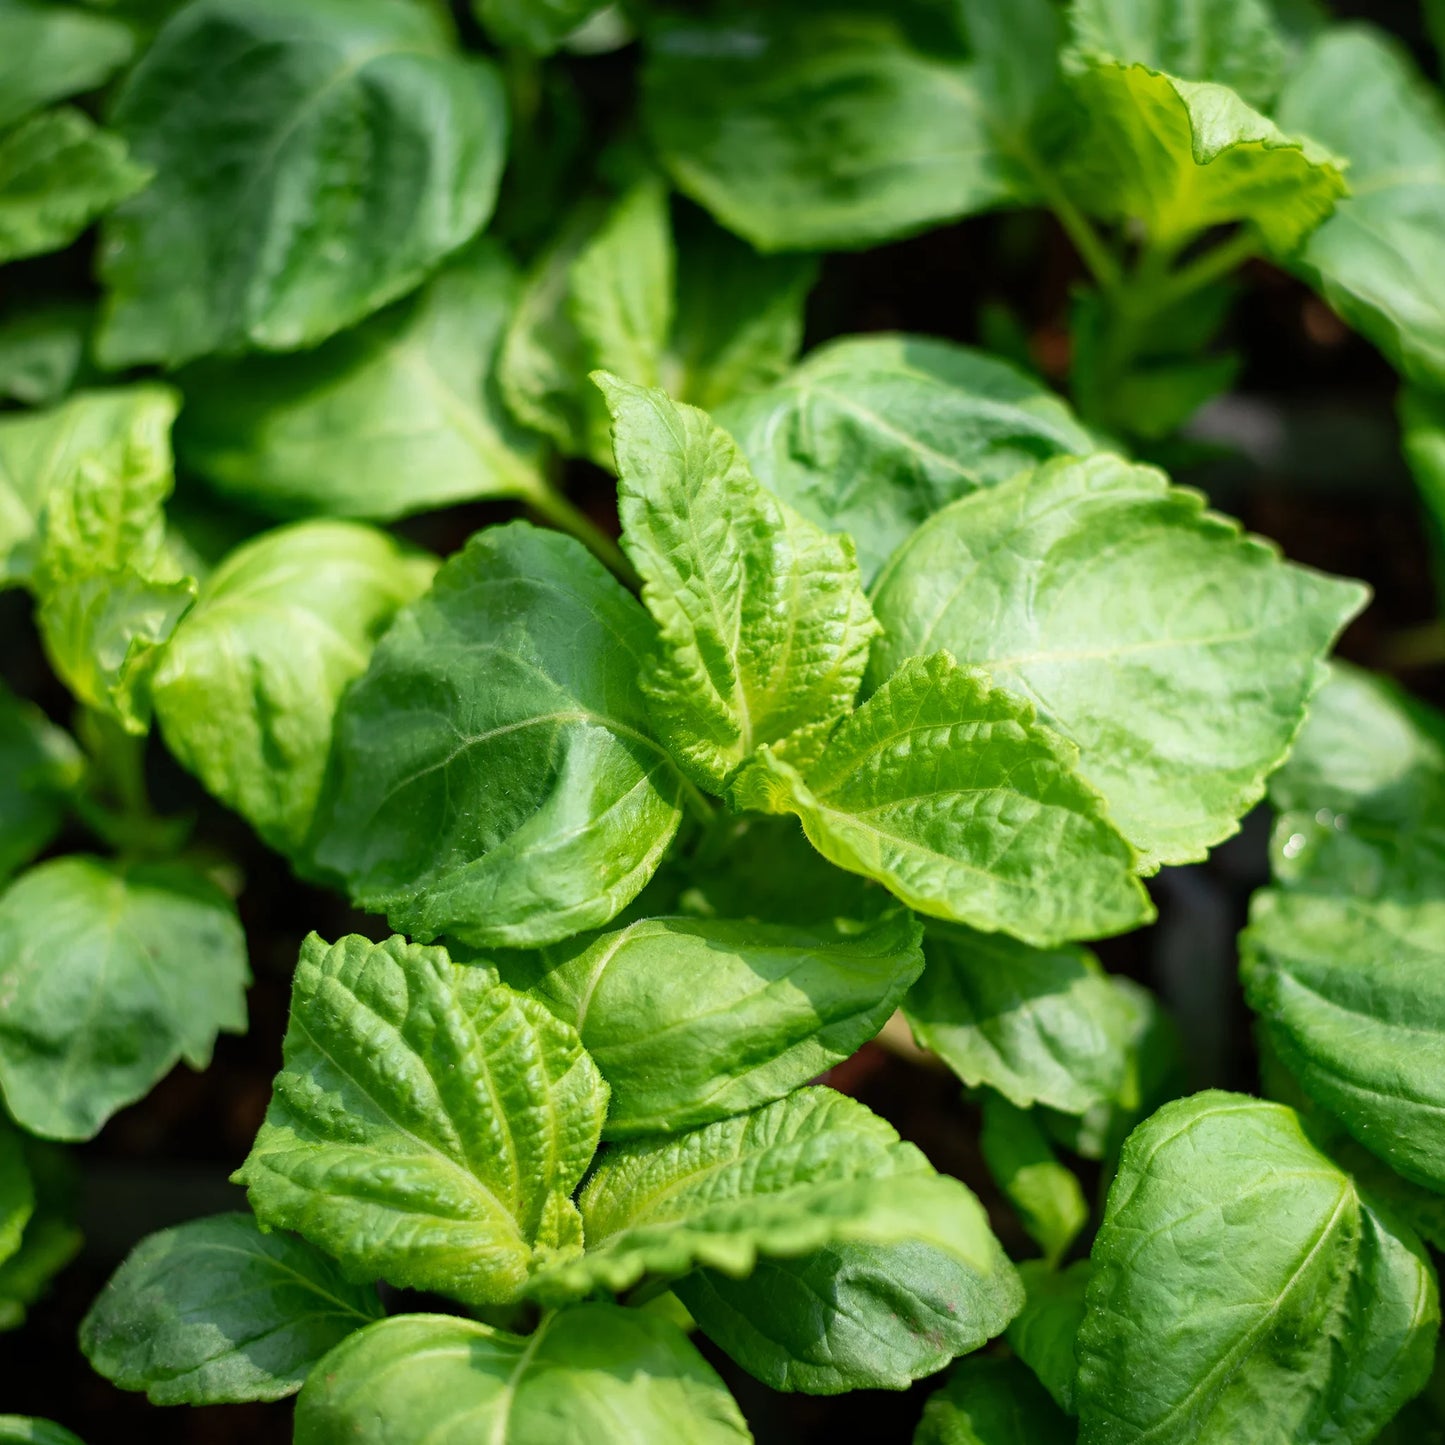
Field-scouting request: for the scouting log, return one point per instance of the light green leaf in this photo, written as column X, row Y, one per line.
column 26, row 1430
column 738, row 319
column 1180, row 156
column 1043, row 1332
column 698, row 312
column 39, row 767
column 1153, row 1072
column 115, row 431
column 110, row 974
column 991, row 1402
column 872, row 435
column 497, row 778
column 690, row 1020
column 1361, row 798
column 108, row 590
column 1357, row 90
column 399, row 415
column 852, row 1316
column 58, row 173
column 1181, row 669
column 1042, row 1026
column 253, row 112
column 247, row 690
column 17, row 1190
column 1045, row 1193
column 1234, row 42
column 50, row 51
column 620, row 297
column 950, row 793
column 597, row 1373
column 215, row 1312
column 1352, row 996
column 1244, row 1287
column 42, row 352
column 428, row 1124
column 51, row 1239
column 805, row 131
column 811, row 1170
column 539, row 26
column 763, row 624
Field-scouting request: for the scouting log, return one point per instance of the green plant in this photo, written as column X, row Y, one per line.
column 902, row 678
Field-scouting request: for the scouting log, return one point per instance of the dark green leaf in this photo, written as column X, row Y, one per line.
column 42, row 352
column 110, row 974
column 214, row 1312
column 1045, row 1194
column 497, row 778
column 253, row 114
column 539, row 26
column 1245, row 1288
column 39, row 768
column 49, row 51
column 991, row 1402
column 1043, row 1332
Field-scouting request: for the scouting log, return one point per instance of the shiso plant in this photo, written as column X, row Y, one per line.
column 897, row 681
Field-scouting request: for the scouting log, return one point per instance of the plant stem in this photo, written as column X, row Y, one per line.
column 1213, row 265
column 553, row 507
column 1087, row 241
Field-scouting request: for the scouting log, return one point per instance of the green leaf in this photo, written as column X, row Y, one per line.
column 991, row 1402
column 738, row 319
column 1045, row 1193
column 763, row 624
column 1042, row 1334
column 58, row 173
column 108, row 590
column 1237, row 43
column 497, row 778
column 1350, row 994
column 428, row 1124
column 110, row 974
column 1244, row 1287
column 1153, row 1072
column 1361, row 798
column 852, row 1316
column 805, row 131
column 1042, row 1026
column 1422, row 424
column 215, row 1312
column 1180, row 156
column 17, row 1190
column 695, row 310
column 808, row 1171
column 50, row 1240
column 96, row 432
column 42, row 352
column 50, row 51
column 690, row 1020
column 1357, row 90
column 26, row 1430
column 1181, row 669
column 399, row 415
column 250, row 683
column 539, row 26
column 950, row 793
column 597, row 1373
column 39, row 767
column 253, row 113
column 872, row 435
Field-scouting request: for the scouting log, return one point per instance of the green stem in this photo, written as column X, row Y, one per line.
column 553, row 507
column 1087, row 241
column 1213, row 265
